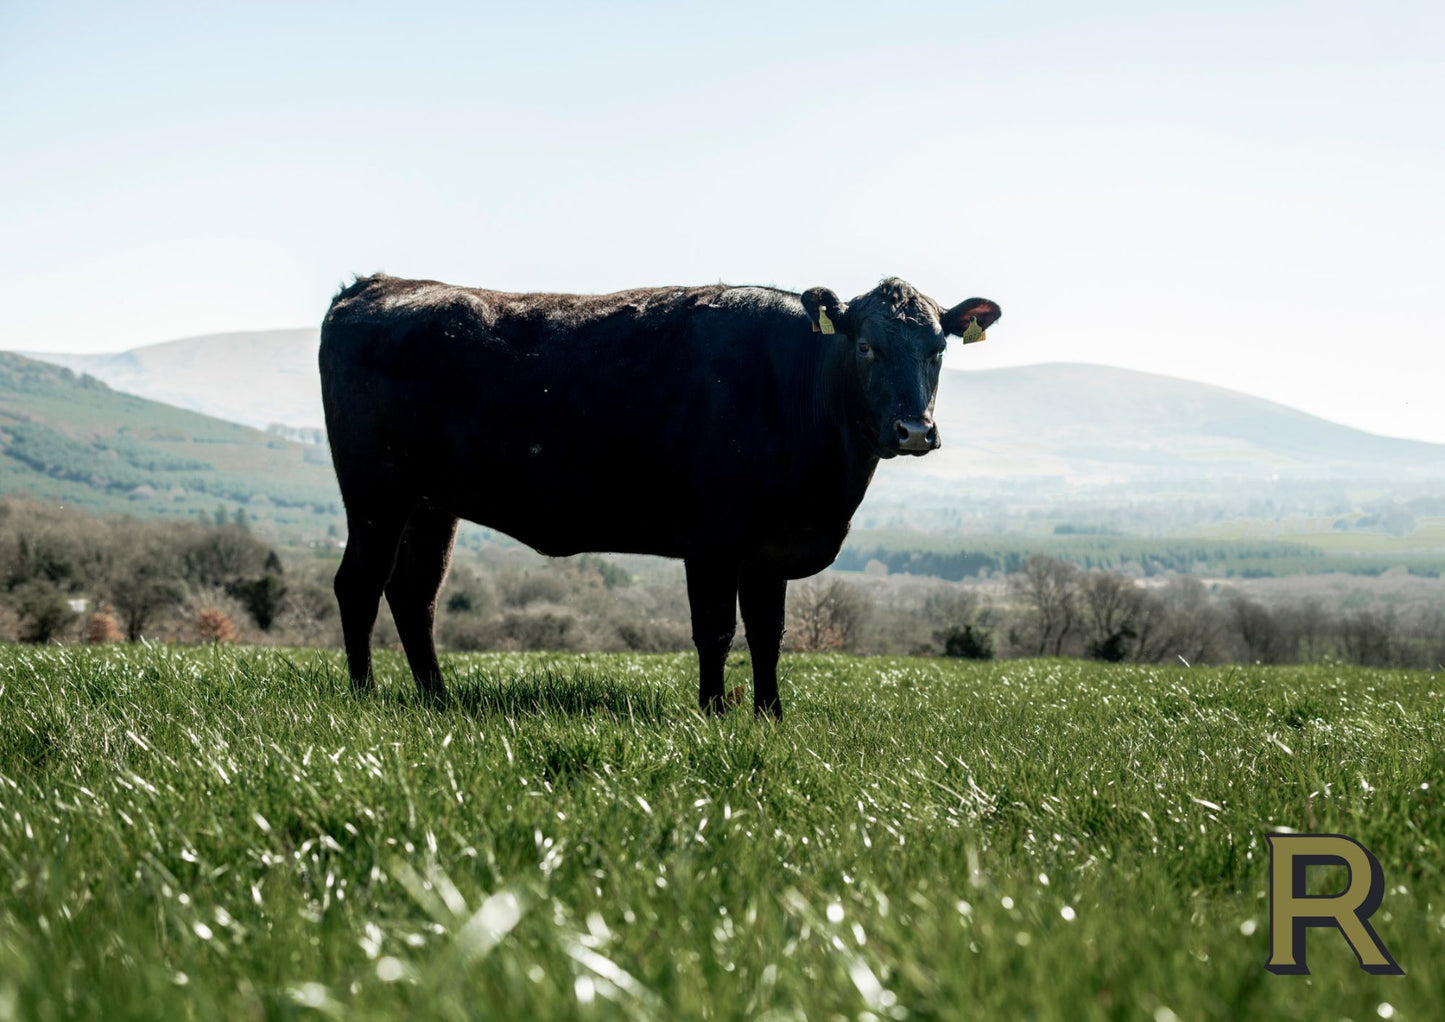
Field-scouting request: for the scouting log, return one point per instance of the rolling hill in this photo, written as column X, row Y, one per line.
column 256, row 378
column 72, row 439
column 1097, row 424
column 1077, row 425
column 1024, row 449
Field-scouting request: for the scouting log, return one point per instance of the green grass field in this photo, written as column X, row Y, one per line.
column 213, row 833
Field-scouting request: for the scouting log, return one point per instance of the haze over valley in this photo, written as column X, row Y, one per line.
column 1074, row 424
column 1083, row 461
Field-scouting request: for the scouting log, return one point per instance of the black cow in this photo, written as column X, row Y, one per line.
column 734, row 427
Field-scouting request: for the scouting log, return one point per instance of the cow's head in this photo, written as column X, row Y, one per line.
column 895, row 337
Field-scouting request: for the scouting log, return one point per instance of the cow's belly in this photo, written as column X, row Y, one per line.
column 801, row 552
column 563, row 489
column 561, row 514
column 559, row 518
column 796, row 556
column 566, row 536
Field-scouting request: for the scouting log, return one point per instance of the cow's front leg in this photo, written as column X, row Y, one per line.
column 712, row 594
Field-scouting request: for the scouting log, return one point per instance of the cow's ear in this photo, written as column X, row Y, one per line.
column 969, row 319
column 827, row 312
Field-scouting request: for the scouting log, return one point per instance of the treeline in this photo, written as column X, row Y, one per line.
column 1145, row 508
column 582, row 603
column 1053, row 608
column 117, row 463
column 64, row 576
column 1146, row 558
column 70, row 577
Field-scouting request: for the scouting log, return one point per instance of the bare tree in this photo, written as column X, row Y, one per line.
column 961, row 623
column 1369, row 637
column 1310, row 624
column 145, row 583
column 1429, row 631
column 1111, row 604
column 1196, row 624
column 824, row 613
column 1049, row 588
column 1262, row 634
column 1155, row 634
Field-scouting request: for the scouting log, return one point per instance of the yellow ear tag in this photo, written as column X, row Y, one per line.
column 824, row 323
column 973, row 333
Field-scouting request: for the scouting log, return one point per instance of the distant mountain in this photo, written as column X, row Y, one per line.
column 1082, row 425
column 1090, row 424
column 258, row 378
column 72, row 439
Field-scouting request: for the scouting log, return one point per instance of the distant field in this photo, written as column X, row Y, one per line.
column 1244, row 551
column 230, row 833
column 1428, row 534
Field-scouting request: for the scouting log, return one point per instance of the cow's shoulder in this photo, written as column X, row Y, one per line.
column 758, row 299
column 380, row 296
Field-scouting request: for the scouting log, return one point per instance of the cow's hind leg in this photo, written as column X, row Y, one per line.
column 421, row 566
column 365, row 566
column 712, row 594
column 762, row 597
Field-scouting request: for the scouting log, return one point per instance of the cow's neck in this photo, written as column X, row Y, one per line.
column 846, row 459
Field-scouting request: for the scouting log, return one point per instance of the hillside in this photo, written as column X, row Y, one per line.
column 257, row 378
column 74, row 440
column 1074, row 424
column 1025, row 449
column 1098, row 424
column 1028, row 447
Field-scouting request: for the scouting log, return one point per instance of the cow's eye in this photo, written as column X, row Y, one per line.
column 865, row 349
column 937, row 357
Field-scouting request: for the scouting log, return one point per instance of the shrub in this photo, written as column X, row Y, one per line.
column 102, row 627
column 262, row 597
column 467, row 633
column 465, row 593
column 544, row 585
column 968, row 642
column 654, row 636
column 308, row 615
column 213, row 625
column 549, row 629
column 44, row 612
column 1114, row 648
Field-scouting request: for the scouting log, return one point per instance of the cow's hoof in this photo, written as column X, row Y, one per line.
column 768, row 711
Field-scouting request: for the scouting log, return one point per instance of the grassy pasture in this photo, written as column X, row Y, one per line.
column 213, row 833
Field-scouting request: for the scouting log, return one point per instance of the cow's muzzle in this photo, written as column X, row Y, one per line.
column 915, row 436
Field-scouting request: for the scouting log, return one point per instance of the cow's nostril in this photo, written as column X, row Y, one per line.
column 932, row 435
column 904, row 433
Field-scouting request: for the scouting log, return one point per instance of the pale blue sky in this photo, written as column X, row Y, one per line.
column 1248, row 194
